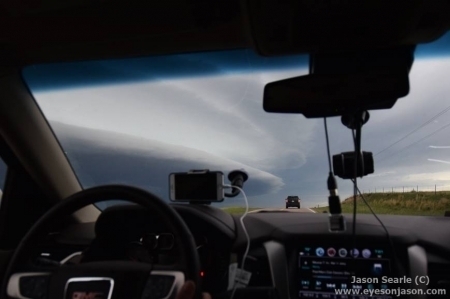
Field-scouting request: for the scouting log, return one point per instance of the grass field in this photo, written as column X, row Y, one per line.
column 237, row 210
column 409, row 203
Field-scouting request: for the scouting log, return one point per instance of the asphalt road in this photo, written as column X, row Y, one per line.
column 294, row 210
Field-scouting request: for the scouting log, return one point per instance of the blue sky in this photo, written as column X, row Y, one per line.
column 135, row 121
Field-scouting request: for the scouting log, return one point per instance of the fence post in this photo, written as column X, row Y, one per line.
column 434, row 189
column 392, row 190
column 403, row 189
column 383, row 189
column 417, row 188
column 375, row 190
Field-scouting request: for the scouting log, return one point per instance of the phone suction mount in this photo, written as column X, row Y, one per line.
column 237, row 178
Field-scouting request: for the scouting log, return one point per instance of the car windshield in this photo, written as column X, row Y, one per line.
column 135, row 121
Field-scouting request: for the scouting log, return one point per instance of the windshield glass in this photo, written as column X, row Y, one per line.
column 135, row 121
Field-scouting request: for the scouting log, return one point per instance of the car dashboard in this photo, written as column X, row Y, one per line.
column 292, row 255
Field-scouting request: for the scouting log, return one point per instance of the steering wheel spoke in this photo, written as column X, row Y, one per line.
column 99, row 280
column 163, row 284
column 29, row 285
column 115, row 279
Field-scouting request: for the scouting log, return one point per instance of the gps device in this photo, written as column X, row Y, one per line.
column 197, row 186
column 331, row 270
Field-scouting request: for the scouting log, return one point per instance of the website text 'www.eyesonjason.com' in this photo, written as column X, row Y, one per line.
column 389, row 292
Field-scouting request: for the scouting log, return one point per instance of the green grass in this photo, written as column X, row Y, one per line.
column 237, row 210
column 408, row 203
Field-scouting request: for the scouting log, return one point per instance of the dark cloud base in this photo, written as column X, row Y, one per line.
column 97, row 161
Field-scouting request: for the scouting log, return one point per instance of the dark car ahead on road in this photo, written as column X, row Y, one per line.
column 292, row 201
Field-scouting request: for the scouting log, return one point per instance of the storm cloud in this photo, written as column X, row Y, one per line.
column 137, row 133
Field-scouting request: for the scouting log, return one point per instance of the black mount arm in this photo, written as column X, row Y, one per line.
column 237, row 178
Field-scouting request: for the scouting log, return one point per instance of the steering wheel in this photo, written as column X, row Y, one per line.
column 110, row 279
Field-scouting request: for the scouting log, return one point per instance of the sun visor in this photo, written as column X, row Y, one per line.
column 340, row 83
column 303, row 26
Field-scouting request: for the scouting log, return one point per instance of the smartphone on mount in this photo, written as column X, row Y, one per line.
column 197, row 186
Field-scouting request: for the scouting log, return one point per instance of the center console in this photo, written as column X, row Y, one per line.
column 339, row 266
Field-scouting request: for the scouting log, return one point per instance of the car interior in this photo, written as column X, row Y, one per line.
column 55, row 241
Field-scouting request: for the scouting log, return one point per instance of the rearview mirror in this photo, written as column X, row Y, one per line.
column 342, row 82
column 320, row 95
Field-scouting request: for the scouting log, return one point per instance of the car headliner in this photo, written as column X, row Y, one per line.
column 53, row 31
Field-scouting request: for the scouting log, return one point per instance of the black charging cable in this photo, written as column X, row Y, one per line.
column 337, row 222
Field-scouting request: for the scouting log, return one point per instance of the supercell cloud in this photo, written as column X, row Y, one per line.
column 138, row 133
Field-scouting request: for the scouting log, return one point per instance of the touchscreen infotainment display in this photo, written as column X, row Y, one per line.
column 324, row 269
